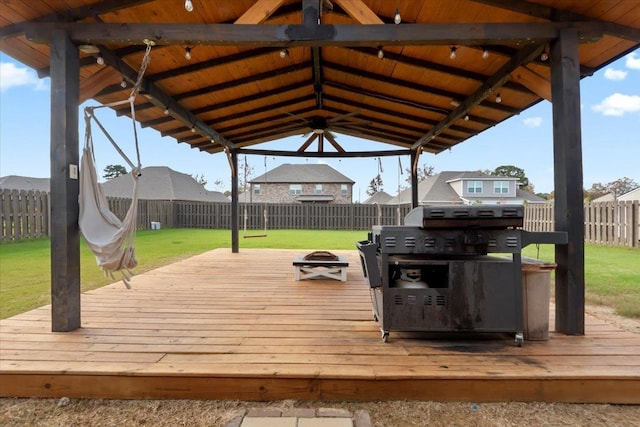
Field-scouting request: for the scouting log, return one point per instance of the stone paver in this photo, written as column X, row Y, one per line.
column 325, row 422
column 270, row 422
column 334, row 412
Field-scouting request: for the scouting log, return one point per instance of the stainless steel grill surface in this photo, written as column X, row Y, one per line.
column 450, row 269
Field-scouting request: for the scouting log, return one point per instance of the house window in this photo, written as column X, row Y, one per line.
column 501, row 187
column 295, row 189
column 343, row 189
column 318, row 188
column 474, row 187
column 256, row 189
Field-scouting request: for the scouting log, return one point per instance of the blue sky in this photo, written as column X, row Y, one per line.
column 610, row 135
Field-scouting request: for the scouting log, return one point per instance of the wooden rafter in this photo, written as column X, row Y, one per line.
column 359, row 12
column 534, row 81
column 259, row 12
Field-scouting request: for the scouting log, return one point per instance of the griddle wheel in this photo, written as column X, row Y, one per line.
column 519, row 339
column 385, row 336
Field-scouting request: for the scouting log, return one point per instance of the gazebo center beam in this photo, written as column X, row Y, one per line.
column 472, row 34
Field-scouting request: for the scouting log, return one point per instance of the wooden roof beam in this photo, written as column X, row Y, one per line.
column 472, row 34
column 359, row 12
column 533, row 81
column 259, row 12
column 71, row 15
column 553, row 14
column 329, row 154
column 523, row 56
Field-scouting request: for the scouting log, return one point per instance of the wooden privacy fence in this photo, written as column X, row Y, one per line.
column 606, row 223
column 25, row 215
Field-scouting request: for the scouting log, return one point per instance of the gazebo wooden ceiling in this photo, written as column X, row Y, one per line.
column 249, row 84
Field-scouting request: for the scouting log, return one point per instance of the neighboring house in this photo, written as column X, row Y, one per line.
column 379, row 198
column 467, row 188
column 302, row 183
column 162, row 183
column 14, row 182
column 630, row 196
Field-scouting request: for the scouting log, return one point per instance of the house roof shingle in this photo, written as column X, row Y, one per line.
column 162, row 183
column 302, row 174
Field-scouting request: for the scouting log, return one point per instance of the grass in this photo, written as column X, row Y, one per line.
column 612, row 274
column 25, row 272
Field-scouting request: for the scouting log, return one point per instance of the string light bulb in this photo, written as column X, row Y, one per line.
column 466, row 117
column 166, row 111
column 123, row 83
column 397, row 18
column 284, row 53
column 452, row 52
column 187, row 53
column 485, row 53
column 100, row 60
column 188, row 5
column 193, row 129
column 498, row 98
column 544, row 56
column 380, row 53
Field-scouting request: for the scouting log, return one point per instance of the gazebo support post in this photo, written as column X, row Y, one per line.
column 65, row 231
column 415, row 155
column 235, row 220
column 568, row 182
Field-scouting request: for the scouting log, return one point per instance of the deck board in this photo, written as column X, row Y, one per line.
column 238, row 326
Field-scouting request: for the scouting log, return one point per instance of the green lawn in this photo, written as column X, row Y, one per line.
column 612, row 273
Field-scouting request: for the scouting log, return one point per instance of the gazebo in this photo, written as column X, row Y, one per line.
column 229, row 75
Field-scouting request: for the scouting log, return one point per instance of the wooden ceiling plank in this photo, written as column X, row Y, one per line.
column 554, row 14
column 359, row 12
column 162, row 99
column 471, row 34
column 230, row 84
column 524, row 56
column 533, row 81
column 259, row 12
column 433, row 66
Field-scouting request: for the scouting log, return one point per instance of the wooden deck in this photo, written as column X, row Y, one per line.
column 237, row 326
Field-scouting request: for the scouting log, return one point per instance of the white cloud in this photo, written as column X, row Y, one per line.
column 613, row 74
column 533, row 122
column 632, row 61
column 618, row 105
column 13, row 76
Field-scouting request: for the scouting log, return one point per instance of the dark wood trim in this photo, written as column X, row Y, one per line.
column 470, row 34
column 65, row 187
column 568, row 183
column 72, row 15
column 235, row 218
column 324, row 154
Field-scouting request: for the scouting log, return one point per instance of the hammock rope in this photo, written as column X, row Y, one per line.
column 112, row 241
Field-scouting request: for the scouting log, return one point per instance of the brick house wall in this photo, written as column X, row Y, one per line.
column 280, row 193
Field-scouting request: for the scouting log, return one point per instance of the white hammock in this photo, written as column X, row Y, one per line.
column 112, row 241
